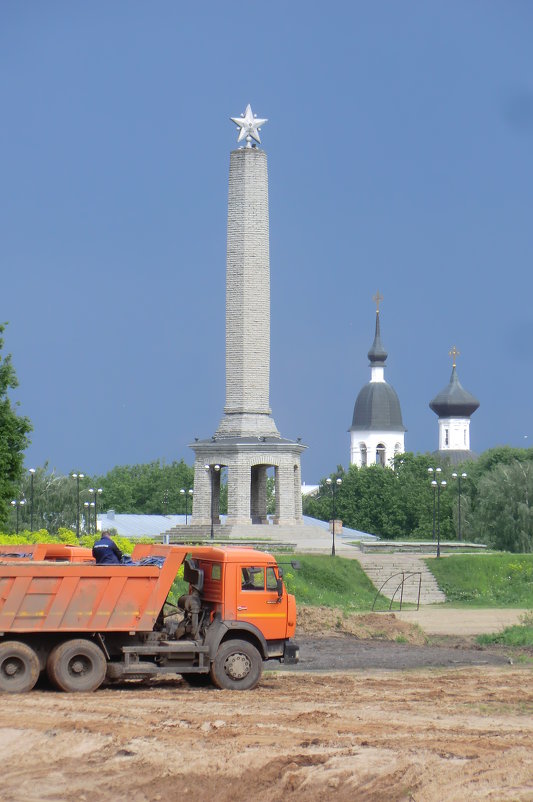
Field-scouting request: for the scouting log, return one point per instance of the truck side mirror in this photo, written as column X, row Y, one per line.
column 279, row 585
column 296, row 564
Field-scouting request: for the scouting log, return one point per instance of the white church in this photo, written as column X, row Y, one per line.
column 377, row 432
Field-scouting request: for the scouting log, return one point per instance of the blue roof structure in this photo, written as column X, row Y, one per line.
column 136, row 526
column 139, row 525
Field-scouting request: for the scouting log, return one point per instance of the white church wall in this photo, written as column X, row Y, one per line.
column 454, row 434
column 393, row 443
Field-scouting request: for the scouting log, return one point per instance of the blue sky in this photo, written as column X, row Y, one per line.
column 399, row 143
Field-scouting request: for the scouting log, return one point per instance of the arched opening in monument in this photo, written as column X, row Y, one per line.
column 380, row 455
column 259, row 492
column 362, row 448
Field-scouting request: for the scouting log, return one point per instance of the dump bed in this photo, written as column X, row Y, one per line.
column 54, row 552
column 47, row 596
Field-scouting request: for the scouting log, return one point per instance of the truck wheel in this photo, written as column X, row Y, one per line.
column 76, row 665
column 19, row 667
column 237, row 666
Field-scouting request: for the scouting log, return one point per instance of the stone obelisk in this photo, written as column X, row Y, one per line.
column 247, row 410
column 247, row 441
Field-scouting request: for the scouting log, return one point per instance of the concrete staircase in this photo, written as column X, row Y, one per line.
column 381, row 567
column 272, row 537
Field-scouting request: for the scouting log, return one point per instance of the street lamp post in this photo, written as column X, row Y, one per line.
column 437, row 485
column 212, row 470
column 437, row 472
column 87, row 517
column 17, row 504
column 88, row 505
column 77, row 477
column 334, row 487
column 96, row 491
column 188, row 493
column 31, row 471
column 459, row 477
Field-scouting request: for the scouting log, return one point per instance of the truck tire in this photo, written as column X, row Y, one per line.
column 76, row 665
column 237, row 666
column 19, row 667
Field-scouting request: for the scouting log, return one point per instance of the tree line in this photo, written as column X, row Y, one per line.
column 153, row 488
column 496, row 499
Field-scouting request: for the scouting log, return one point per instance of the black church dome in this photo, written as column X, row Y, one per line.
column 377, row 407
column 454, row 401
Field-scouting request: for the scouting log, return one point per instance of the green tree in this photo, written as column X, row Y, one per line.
column 152, row 488
column 501, row 513
column 390, row 502
column 54, row 500
column 14, row 431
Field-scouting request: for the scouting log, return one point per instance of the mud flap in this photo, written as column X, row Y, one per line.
column 291, row 653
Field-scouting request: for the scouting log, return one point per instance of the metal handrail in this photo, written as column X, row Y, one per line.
column 404, row 575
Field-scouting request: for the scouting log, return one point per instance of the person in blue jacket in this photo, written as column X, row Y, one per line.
column 106, row 551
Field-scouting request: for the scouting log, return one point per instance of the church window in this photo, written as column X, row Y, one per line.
column 446, row 437
column 464, row 436
column 380, row 455
column 363, row 455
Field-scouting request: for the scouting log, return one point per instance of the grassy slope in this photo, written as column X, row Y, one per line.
column 329, row 581
column 486, row 580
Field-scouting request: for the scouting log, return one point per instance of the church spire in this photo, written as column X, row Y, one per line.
column 377, row 354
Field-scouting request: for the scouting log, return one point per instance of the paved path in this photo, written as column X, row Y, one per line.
column 461, row 621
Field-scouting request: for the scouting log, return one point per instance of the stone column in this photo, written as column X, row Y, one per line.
column 239, row 493
column 286, row 493
column 297, row 475
column 201, row 511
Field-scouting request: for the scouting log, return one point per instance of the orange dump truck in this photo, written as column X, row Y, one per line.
column 84, row 623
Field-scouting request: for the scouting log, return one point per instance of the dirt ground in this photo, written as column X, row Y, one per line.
column 374, row 732
column 436, row 735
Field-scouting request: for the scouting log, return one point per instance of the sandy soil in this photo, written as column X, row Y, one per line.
column 361, row 732
column 441, row 735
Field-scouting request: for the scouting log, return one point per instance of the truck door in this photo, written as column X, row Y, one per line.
column 258, row 601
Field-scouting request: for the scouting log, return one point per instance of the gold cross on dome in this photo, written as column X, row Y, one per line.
column 454, row 353
column 377, row 298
